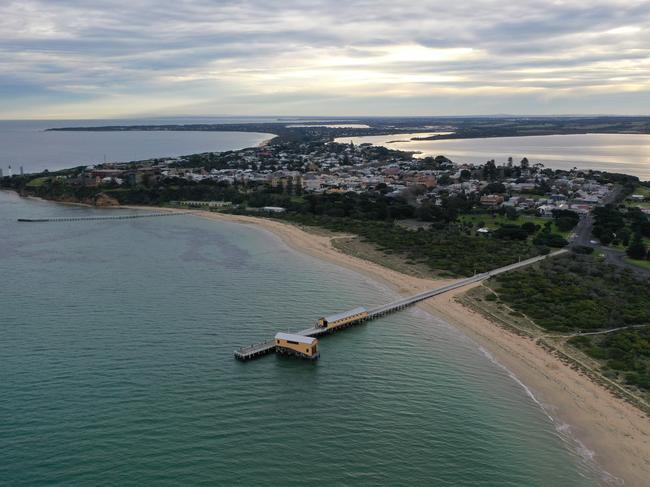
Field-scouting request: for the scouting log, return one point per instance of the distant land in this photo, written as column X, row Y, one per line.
column 454, row 127
column 573, row 326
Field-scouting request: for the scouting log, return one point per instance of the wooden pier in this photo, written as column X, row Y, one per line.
column 264, row 348
column 94, row 218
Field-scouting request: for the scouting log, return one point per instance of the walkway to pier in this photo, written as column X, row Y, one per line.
column 93, row 218
column 254, row 351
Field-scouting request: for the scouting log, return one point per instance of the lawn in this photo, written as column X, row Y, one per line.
column 638, row 204
column 37, row 182
column 492, row 222
column 640, row 263
column 645, row 191
column 620, row 246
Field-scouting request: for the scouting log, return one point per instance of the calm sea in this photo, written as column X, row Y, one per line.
column 27, row 144
column 116, row 343
column 622, row 153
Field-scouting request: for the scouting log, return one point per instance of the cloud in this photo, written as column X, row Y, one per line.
column 117, row 58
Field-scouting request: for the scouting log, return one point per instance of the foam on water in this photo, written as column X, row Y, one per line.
column 563, row 429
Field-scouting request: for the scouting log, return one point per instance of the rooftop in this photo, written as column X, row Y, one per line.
column 295, row 338
column 345, row 314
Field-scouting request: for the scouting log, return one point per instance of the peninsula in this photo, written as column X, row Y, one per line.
column 576, row 323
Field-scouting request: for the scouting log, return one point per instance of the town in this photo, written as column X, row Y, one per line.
column 327, row 168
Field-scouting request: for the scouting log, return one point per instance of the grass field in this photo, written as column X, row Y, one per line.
column 643, row 190
column 640, row 263
column 492, row 222
column 37, row 182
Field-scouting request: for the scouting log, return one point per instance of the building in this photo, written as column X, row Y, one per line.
column 299, row 345
column 342, row 319
column 491, row 200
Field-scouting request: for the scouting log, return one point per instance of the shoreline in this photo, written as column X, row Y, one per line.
column 608, row 431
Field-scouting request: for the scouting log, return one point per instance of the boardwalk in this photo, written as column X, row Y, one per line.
column 93, row 218
column 260, row 349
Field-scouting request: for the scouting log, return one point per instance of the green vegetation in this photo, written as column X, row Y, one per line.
column 627, row 228
column 625, row 352
column 640, row 263
column 450, row 248
column 640, row 189
column 494, row 220
column 577, row 294
column 37, row 182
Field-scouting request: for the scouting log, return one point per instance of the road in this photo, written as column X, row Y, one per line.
column 615, row 257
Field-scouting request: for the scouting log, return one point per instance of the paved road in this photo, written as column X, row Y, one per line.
column 614, row 257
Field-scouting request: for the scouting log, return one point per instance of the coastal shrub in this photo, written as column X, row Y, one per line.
column 444, row 247
column 579, row 293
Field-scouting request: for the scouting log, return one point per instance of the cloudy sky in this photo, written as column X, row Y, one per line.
column 114, row 58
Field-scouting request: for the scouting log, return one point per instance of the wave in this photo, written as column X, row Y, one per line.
column 563, row 429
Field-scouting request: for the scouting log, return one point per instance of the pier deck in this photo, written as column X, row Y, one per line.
column 260, row 349
column 93, row 218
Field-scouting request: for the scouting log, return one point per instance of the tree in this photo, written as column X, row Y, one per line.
column 530, row 228
column 490, row 170
column 636, row 249
column 494, row 188
column 623, row 235
column 511, row 213
column 511, row 232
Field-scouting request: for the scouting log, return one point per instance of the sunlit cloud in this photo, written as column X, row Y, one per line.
column 75, row 58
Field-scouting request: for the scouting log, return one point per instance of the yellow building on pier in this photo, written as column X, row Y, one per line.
column 342, row 319
column 300, row 345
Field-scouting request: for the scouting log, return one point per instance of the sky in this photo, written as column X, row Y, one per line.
column 136, row 58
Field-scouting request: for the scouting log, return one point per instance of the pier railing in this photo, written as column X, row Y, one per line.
column 254, row 351
column 94, row 218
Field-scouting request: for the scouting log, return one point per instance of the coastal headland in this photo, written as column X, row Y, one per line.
column 607, row 429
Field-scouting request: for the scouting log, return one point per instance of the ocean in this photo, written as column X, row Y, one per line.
column 116, row 345
column 621, row 153
column 28, row 144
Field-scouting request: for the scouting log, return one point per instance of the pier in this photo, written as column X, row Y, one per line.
column 264, row 348
column 94, row 218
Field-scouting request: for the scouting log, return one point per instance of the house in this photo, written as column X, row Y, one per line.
column 546, row 210
column 491, row 200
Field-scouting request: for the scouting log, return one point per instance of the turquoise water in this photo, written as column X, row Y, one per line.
column 116, row 343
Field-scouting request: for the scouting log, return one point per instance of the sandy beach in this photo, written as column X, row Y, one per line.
column 608, row 430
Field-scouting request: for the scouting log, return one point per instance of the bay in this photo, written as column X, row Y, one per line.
column 620, row 153
column 116, row 341
column 28, row 144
